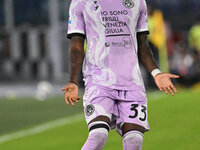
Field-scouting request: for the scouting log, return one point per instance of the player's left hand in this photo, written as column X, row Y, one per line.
column 163, row 81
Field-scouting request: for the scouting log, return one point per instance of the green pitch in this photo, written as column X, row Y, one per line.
column 174, row 123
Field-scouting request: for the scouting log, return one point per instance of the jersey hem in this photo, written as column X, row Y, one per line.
column 75, row 33
column 69, row 36
column 142, row 30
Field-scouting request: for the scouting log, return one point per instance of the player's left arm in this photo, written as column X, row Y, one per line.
column 162, row 80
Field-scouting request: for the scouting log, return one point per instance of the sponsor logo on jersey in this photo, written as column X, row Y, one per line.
column 89, row 110
column 128, row 3
column 125, row 42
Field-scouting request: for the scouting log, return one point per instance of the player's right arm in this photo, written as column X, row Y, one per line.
column 76, row 32
column 76, row 53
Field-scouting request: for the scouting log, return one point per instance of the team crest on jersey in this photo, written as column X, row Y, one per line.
column 128, row 3
column 89, row 110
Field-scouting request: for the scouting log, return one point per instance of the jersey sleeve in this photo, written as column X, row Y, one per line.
column 142, row 23
column 76, row 24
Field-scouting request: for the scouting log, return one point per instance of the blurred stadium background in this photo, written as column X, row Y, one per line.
column 34, row 67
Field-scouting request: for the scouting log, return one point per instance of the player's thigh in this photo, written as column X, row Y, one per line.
column 101, row 118
column 126, row 127
column 133, row 116
column 98, row 106
column 99, row 109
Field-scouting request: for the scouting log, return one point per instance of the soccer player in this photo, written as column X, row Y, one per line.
column 116, row 33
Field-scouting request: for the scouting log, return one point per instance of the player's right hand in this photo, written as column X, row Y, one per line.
column 71, row 93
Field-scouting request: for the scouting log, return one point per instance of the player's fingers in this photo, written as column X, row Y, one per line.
column 174, row 89
column 74, row 99
column 165, row 89
column 78, row 98
column 170, row 90
column 66, row 99
column 63, row 89
column 160, row 88
column 70, row 100
column 173, row 76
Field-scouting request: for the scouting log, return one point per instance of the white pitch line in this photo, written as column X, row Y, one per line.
column 57, row 123
column 41, row 128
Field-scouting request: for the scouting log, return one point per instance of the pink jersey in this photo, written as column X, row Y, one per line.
column 110, row 28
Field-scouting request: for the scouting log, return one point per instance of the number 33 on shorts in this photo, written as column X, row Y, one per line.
column 138, row 111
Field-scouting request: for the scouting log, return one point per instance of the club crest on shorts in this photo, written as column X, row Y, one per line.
column 128, row 3
column 89, row 110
